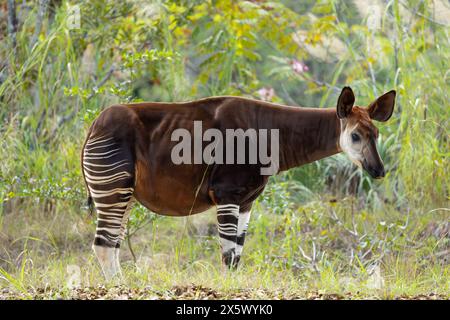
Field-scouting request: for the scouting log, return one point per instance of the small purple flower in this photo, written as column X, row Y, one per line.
column 266, row 94
column 298, row 66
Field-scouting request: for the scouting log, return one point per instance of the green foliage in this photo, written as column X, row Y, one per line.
column 183, row 50
column 50, row 93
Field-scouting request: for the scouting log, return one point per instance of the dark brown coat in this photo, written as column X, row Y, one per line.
column 305, row 135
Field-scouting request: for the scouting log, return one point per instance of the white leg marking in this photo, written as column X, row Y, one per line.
column 107, row 259
column 244, row 218
column 227, row 245
column 117, row 261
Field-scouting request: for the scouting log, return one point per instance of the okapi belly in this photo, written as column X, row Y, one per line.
column 171, row 190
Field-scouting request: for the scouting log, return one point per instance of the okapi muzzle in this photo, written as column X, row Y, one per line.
column 372, row 162
column 358, row 134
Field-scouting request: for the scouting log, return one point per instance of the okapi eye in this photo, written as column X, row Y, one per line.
column 355, row 137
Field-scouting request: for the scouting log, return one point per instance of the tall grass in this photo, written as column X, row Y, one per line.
column 326, row 223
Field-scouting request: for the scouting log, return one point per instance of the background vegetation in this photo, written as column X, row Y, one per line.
column 325, row 230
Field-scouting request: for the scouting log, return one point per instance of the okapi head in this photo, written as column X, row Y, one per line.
column 358, row 133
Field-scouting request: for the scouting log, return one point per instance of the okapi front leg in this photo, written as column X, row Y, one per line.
column 227, row 217
column 244, row 218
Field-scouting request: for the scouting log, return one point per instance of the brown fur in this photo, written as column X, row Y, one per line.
column 306, row 135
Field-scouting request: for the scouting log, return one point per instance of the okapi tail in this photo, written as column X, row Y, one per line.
column 90, row 204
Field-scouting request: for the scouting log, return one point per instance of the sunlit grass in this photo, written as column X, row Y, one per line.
column 290, row 257
column 324, row 228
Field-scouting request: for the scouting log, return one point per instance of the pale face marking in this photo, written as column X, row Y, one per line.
column 354, row 150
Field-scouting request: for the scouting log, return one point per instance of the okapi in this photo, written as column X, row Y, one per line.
column 127, row 156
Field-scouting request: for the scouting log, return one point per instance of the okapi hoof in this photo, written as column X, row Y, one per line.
column 235, row 263
column 230, row 260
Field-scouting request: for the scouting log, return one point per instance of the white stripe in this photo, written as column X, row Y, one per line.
column 108, row 214
column 226, row 244
column 114, row 223
column 101, row 153
column 100, row 158
column 124, row 198
column 244, row 218
column 234, row 214
column 228, row 224
column 107, row 217
column 103, row 171
column 227, row 233
column 107, row 237
column 224, row 206
column 103, row 146
column 113, row 210
column 93, row 177
column 98, row 181
column 114, row 205
column 105, row 165
column 98, row 140
column 112, row 231
column 228, row 229
column 102, row 237
column 105, row 193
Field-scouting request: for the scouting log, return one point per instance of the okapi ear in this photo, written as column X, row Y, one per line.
column 345, row 102
column 382, row 108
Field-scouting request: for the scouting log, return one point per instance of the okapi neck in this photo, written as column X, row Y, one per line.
column 308, row 135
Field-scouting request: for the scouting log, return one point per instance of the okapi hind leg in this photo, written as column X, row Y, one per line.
column 123, row 231
column 227, row 218
column 108, row 167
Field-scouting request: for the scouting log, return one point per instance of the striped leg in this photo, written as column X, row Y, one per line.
column 244, row 218
column 227, row 217
column 123, row 231
column 109, row 173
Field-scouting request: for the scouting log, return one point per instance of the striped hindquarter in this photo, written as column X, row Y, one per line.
column 109, row 172
column 108, row 168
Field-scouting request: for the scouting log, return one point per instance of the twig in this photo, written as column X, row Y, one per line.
column 75, row 111
column 339, row 222
column 288, row 96
column 130, row 247
column 103, row 81
column 322, row 83
column 422, row 15
column 139, row 227
column 304, row 254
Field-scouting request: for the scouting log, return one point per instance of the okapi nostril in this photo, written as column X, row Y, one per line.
column 379, row 174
